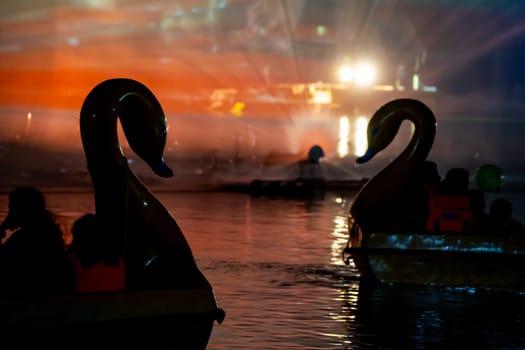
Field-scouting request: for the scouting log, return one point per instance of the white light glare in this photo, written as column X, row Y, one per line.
column 344, row 136
column 345, row 74
column 365, row 74
column 361, row 143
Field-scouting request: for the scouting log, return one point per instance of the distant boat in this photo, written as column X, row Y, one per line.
column 294, row 188
column 304, row 178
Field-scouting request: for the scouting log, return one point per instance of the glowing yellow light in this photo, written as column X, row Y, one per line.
column 28, row 122
column 321, row 96
column 297, row 89
column 360, row 136
column 384, row 87
column 344, row 134
column 345, row 74
column 237, row 109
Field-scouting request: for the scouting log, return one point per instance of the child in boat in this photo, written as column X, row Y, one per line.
column 456, row 182
column 501, row 221
column 33, row 259
column 97, row 269
column 454, row 207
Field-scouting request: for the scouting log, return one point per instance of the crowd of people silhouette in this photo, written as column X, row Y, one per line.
column 454, row 206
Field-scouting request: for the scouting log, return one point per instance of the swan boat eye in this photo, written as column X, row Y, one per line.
column 374, row 132
column 149, row 261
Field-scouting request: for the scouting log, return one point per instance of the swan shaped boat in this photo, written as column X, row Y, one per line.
column 386, row 247
column 167, row 301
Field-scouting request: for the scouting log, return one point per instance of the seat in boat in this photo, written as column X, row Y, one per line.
column 449, row 213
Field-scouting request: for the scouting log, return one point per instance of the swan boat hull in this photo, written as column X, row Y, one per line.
column 452, row 260
column 181, row 319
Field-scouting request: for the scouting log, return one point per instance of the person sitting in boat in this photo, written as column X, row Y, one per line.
column 450, row 207
column 431, row 176
column 33, row 259
column 427, row 178
column 480, row 217
column 97, row 269
column 456, row 182
column 309, row 167
column 501, row 220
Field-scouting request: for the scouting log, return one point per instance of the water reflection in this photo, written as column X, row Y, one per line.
column 415, row 317
column 292, row 290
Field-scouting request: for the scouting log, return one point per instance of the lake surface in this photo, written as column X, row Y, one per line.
column 276, row 268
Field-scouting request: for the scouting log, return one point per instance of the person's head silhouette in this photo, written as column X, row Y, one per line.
column 430, row 174
column 501, row 208
column 85, row 243
column 27, row 206
column 456, row 181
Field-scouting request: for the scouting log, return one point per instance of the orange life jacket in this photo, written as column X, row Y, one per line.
column 449, row 213
column 98, row 278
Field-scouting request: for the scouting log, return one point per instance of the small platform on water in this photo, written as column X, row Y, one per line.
column 294, row 188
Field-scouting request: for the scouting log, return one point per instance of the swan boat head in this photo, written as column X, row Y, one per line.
column 383, row 202
column 138, row 226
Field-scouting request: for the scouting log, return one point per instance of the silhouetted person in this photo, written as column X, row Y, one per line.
column 33, row 260
column 450, row 208
column 480, row 218
column 309, row 167
column 97, row 267
column 426, row 180
column 456, row 182
column 501, row 220
column 430, row 175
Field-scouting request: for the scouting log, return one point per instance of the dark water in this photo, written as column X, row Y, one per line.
column 277, row 271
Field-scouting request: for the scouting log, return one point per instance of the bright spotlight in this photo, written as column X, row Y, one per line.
column 365, row 74
column 345, row 74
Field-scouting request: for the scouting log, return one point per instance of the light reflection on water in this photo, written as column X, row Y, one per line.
column 277, row 271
